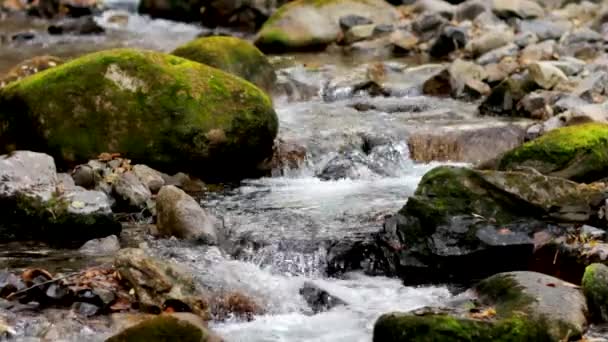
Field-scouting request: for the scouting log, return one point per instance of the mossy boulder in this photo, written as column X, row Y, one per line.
column 558, row 306
column 232, row 55
column 460, row 216
column 446, row 328
column 313, row 24
column 595, row 288
column 160, row 110
column 578, row 153
column 163, row 328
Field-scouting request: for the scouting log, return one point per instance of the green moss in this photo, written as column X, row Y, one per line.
column 232, row 55
column 157, row 109
column 576, row 152
column 162, row 328
column 444, row 328
column 595, row 288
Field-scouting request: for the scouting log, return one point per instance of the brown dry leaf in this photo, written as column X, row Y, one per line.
column 105, row 156
column 485, row 314
column 29, row 274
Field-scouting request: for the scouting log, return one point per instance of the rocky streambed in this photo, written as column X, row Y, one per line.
column 417, row 171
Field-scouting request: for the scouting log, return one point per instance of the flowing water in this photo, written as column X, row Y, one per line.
column 284, row 224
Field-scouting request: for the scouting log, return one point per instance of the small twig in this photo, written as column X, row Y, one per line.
column 555, row 257
column 9, row 297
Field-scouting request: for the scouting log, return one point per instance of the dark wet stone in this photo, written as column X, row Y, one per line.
column 23, row 37
column 80, row 26
column 56, row 292
column 349, row 21
column 383, row 29
column 319, row 299
column 451, row 39
column 427, row 25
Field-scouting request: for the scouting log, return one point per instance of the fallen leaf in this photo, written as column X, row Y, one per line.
column 485, row 314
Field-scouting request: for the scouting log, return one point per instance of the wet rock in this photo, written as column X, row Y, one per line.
column 33, row 209
column 497, row 72
column 451, row 39
column 232, row 55
column 428, row 25
column 504, row 97
column 575, row 152
column 119, row 76
column 81, row 26
column 289, row 155
column 594, row 87
column 350, row 21
column 29, row 67
column 538, row 105
column 497, row 55
column 524, row 39
column 523, row 9
column 307, row 25
column 234, row 305
column 546, row 75
column 352, row 166
column 159, row 328
column 559, row 305
column 595, row 288
column 185, row 182
column 158, row 283
column 545, row 28
column 319, row 299
column 470, row 145
column 460, row 216
column 403, row 41
column 102, row 246
column 490, row 40
column 469, row 10
column 582, row 43
column 569, row 65
column 86, row 309
column 462, row 79
column 150, row 177
column 181, row 216
column 131, row 193
column 435, row 7
column 84, row 176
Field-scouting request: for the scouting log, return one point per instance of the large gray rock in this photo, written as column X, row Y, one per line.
column 130, row 192
column 151, row 178
column 559, row 305
column 158, row 283
column 35, row 205
column 181, row 216
column 524, row 9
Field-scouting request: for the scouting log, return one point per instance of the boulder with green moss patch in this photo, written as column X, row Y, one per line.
column 595, row 288
column 559, row 306
column 310, row 24
column 398, row 327
column 459, row 216
column 232, row 55
column 161, row 110
column 577, row 152
column 164, row 328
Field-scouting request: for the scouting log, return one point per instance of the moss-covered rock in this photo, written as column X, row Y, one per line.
column 160, row 110
column 163, row 328
column 232, row 55
column 310, row 24
column 558, row 306
column 595, row 288
column 445, row 328
column 577, row 152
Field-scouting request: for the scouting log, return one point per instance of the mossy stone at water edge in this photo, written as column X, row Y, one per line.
column 595, row 288
column 160, row 110
column 310, row 24
column 232, row 55
column 445, row 328
column 577, row 152
column 160, row 329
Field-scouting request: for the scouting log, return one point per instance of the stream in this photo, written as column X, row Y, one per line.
column 284, row 224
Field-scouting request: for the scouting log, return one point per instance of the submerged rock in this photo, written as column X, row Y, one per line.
column 32, row 207
column 319, row 299
column 232, row 55
column 160, row 284
column 308, row 24
column 81, row 26
column 101, row 246
column 181, row 216
column 160, row 110
column 575, row 152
